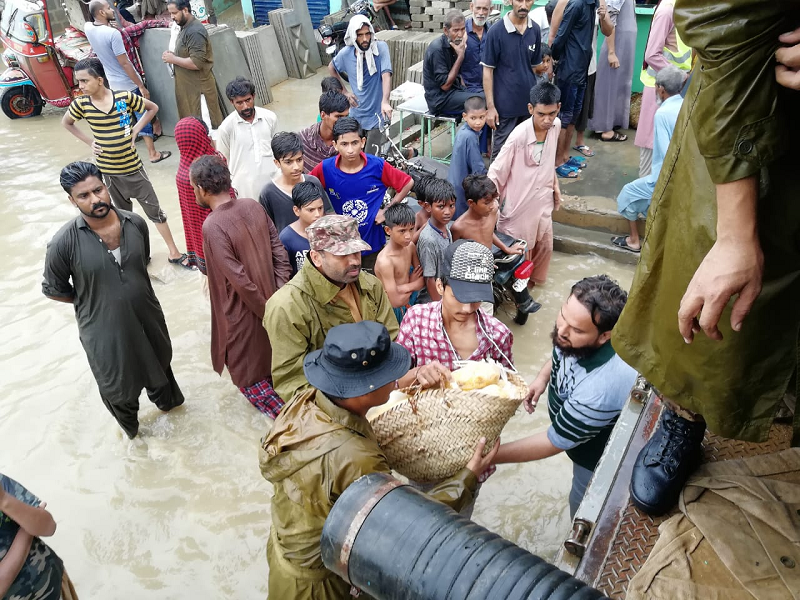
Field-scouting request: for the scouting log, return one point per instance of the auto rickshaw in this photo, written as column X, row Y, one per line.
column 39, row 65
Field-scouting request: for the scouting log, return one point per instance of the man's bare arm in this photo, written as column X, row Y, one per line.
column 492, row 118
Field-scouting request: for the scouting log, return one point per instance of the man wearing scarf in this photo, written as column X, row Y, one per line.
column 368, row 67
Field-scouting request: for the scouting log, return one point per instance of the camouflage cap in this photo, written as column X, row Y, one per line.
column 336, row 234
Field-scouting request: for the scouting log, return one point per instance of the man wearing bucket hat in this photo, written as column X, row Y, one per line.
column 322, row 442
column 330, row 289
column 439, row 334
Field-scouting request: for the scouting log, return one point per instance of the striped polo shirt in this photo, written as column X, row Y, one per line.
column 585, row 397
column 112, row 131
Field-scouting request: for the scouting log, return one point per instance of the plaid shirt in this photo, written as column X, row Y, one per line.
column 130, row 37
column 422, row 334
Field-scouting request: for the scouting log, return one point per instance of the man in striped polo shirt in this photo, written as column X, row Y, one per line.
column 587, row 384
column 110, row 115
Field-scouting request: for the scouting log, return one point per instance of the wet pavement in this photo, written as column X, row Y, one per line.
column 183, row 512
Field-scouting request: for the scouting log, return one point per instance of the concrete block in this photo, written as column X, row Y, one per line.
column 300, row 8
column 229, row 61
column 416, row 10
column 418, row 3
column 417, row 25
column 443, row 4
column 462, row 5
column 159, row 77
column 296, row 53
column 257, row 60
column 276, row 68
column 433, row 11
column 421, row 18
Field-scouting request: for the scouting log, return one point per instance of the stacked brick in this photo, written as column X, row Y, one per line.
column 428, row 15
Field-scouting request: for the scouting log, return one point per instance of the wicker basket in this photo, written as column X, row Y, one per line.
column 436, row 440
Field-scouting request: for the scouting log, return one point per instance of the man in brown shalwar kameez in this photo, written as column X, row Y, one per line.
column 98, row 263
column 246, row 264
column 192, row 61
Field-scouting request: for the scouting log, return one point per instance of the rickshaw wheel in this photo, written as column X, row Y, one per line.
column 21, row 102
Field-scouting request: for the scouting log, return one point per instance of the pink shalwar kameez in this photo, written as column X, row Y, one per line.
column 526, row 192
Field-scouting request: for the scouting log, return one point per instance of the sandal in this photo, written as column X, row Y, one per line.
column 617, row 137
column 182, row 261
column 164, row 154
column 622, row 242
column 585, row 150
column 567, row 172
column 576, row 163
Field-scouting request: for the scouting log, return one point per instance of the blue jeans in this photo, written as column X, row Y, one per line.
column 147, row 130
column 580, row 481
column 571, row 102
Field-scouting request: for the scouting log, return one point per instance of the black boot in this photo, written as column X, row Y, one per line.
column 665, row 463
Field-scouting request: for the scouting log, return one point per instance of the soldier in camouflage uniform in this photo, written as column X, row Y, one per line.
column 29, row 569
column 330, row 289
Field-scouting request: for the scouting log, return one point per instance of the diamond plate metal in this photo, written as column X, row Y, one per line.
column 638, row 532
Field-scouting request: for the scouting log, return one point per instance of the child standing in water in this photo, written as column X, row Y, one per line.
column 397, row 265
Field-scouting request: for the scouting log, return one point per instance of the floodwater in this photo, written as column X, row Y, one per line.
column 182, row 511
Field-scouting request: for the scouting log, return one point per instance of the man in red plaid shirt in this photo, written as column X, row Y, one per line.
column 438, row 334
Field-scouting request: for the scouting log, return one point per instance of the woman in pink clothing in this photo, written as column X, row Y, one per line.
column 664, row 47
column 525, row 175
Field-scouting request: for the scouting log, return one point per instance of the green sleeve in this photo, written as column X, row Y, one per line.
column 458, row 491
column 738, row 115
column 289, row 334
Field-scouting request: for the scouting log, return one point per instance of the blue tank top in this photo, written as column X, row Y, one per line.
column 358, row 195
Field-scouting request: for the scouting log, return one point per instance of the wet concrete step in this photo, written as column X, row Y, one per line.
column 593, row 212
column 576, row 240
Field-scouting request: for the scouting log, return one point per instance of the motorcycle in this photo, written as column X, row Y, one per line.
column 332, row 36
column 511, row 276
column 39, row 65
column 392, row 155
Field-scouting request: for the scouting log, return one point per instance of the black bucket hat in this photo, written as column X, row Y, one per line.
column 356, row 359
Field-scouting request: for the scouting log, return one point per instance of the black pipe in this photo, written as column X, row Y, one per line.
column 394, row 542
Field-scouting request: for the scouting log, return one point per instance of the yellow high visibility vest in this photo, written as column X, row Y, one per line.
column 682, row 59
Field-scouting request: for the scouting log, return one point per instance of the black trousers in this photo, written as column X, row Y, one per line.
column 453, row 104
column 503, row 130
column 166, row 398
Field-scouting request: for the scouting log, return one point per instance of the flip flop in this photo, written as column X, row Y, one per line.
column 622, row 242
column 164, row 154
column 180, row 262
column 617, row 137
column 567, row 172
column 575, row 162
column 585, row 150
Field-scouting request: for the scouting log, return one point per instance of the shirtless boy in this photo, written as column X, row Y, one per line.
column 480, row 220
column 397, row 265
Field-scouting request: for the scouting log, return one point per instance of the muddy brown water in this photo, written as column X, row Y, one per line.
column 183, row 512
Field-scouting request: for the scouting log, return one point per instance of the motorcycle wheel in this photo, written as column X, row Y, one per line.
column 21, row 102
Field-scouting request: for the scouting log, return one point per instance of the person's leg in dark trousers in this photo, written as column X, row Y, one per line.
column 374, row 141
column 126, row 414
column 167, row 396
column 454, row 103
column 210, row 13
column 502, row 131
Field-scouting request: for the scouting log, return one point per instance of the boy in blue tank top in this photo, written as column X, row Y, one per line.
column 356, row 183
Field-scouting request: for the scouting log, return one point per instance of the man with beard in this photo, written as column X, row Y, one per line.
column 120, row 322
column 441, row 73
column 246, row 264
column 329, row 289
column 192, row 62
column 586, row 382
column 245, row 139
column 368, row 66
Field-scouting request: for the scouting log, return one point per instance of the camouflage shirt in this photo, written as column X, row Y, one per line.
column 40, row 577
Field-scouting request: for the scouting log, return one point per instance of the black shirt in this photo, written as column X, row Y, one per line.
column 439, row 59
column 572, row 46
column 511, row 56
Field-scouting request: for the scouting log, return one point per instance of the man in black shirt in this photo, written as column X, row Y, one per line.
column 572, row 48
column 444, row 90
